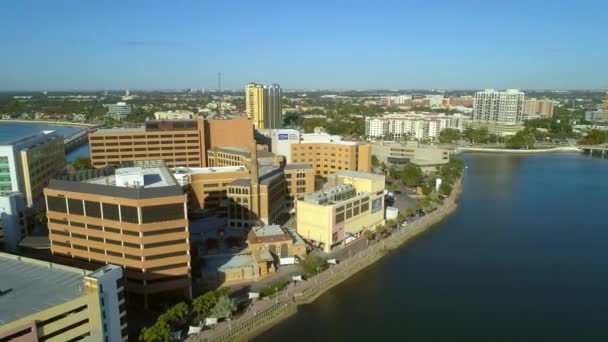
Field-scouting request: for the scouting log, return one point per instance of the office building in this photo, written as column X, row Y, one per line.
column 500, row 112
column 27, row 164
column 177, row 142
column 118, row 111
column 415, row 126
column 263, row 104
column 605, row 106
column 174, row 115
column 542, row 107
column 12, row 220
column 394, row 153
column 325, row 153
column 134, row 217
column 300, row 180
column 42, row 301
column 353, row 203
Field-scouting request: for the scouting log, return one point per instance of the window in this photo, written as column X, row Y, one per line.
column 75, row 206
column 129, row 214
column 340, row 218
column 112, row 230
column 167, row 267
column 165, row 231
column 166, row 255
column 161, row 213
column 56, row 204
column 110, row 211
column 92, row 209
column 163, row 244
column 132, row 245
column 59, row 221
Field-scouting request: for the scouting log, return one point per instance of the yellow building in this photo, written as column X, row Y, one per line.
column 353, row 204
column 300, row 180
column 42, row 301
column 254, row 99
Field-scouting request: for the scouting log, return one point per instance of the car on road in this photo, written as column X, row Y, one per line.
column 386, row 234
column 404, row 223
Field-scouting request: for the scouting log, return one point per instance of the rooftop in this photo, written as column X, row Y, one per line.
column 137, row 177
column 358, row 174
column 29, row 286
column 297, row 167
column 332, row 195
column 324, row 138
column 228, row 262
column 121, row 129
column 199, row 170
column 270, row 230
column 33, row 138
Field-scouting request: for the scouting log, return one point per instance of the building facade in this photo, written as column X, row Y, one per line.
column 354, row 203
column 12, row 220
column 414, row 126
column 51, row 302
column 263, row 104
column 119, row 111
column 135, row 217
column 428, row 158
column 177, row 143
column 542, row 107
column 325, row 153
column 27, row 164
column 174, row 115
column 501, row 112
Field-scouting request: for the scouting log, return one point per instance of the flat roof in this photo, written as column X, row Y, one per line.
column 48, row 134
column 152, row 177
column 297, row 167
column 269, row 230
column 29, row 286
column 199, row 170
column 121, row 129
column 358, row 174
column 227, row 262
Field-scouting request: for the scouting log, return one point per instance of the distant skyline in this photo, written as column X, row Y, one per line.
column 467, row 44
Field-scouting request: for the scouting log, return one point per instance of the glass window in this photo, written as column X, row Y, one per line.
column 129, row 214
column 93, row 209
column 161, row 213
column 56, row 204
column 75, row 206
column 110, row 211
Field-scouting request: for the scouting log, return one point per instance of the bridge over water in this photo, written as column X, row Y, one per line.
column 77, row 139
column 597, row 149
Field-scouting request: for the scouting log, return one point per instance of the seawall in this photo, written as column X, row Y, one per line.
column 50, row 123
column 285, row 303
column 565, row 149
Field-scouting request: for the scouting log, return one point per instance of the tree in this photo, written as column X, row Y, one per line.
column 40, row 216
column 224, row 307
column 445, row 189
column 594, row 137
column 311, row 264
column 427, row 189
column 380, row 229
column 203, row 303
column 391, row 223
column 82, row 163
column 411, row 175
column 449, row 135
column 375, row 161
column 409, row 212
column 368, row 234
column 176, row 312
column 521, row 139
column 400, row 217
column 159, row 332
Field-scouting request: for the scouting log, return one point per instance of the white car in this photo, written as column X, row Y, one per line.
column 404, row 223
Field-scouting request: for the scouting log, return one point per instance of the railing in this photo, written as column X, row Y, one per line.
column 265, row 311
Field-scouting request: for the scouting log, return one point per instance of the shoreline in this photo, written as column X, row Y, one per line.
column 264, row 321
column 565, row 149
column 50, row 123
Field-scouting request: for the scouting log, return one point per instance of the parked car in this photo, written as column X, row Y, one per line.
column 404, row 223
column 386, row 234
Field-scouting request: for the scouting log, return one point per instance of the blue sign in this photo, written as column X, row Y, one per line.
column 376, row 205
column 283, row 136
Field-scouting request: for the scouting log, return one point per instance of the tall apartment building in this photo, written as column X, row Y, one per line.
column 501, row 112
column 134, row 217
column 177, row 143
column 42, row 301
column 354, row 203
column 264, row 106
column 325, row 153
column 27, row 164
column 541, row 107
column 605, row 107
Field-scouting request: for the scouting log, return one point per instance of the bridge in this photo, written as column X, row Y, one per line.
column 591, row 149
column 78, row 139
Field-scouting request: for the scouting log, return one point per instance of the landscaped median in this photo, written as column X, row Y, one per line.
column 265, row 313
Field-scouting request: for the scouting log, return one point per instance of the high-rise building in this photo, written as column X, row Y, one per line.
column 119, row 111
column 177, row 143
column 134, row 217
column 27, row 164
column 12, row 220
column 264, row 106
column 605, row 107
column 42, row 301
column 501, row 112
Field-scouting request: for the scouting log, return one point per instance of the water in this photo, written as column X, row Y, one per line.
column 524, row 258
column 16, row 130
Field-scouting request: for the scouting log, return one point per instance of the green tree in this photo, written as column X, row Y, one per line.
column 159, row 332
column 411, row 175
column 445, row 189
column 203, row 303
column 380, row 229
column 82, row 163
column 224, row 307
column 176, row 312
column 40, row 216
column 594, row 137
column 368, row 234
column 409, row 211
column 449, row 135
column 521, row 139
column 311, row 264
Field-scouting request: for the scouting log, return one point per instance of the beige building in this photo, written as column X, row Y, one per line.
column 353, row 203
column 174, row 115
column 135, row 217
column 393, row 153
column 541, row 107
column 263, row 104
column 177, row 143
column 42, row 301
column 300, row 180
column 28, row 163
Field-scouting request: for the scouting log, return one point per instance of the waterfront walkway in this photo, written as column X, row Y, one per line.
column 266, row 312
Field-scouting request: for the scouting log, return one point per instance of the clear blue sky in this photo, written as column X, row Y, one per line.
column 82, row 44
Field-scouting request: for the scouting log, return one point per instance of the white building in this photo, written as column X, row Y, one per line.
column 174, row 115
column 119, row 111
column 435, row 101
column 501, row 112
column 12, row 226
column 412, row 125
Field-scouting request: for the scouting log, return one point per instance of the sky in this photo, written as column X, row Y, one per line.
column 330, row 44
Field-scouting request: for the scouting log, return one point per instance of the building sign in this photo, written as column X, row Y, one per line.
column 283, row 136
column 376, row 205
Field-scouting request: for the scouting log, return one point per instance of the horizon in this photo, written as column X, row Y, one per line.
column 458, row 45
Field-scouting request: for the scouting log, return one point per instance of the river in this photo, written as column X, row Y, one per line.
column 16, row 130
column 523, row 258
